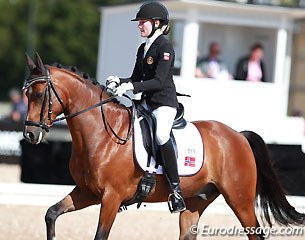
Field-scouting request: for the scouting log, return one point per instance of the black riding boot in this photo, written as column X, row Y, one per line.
column 175, row 199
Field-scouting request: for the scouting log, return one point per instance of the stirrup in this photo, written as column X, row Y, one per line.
column 178, row 206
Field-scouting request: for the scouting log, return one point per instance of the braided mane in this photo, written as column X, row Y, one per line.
column 74, row 69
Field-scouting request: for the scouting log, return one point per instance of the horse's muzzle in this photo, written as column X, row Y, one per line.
column 33, row 134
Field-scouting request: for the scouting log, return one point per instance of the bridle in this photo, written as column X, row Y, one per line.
column 47, row 101
column 50, row 89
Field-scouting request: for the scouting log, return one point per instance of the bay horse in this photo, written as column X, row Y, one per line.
column 237, row 165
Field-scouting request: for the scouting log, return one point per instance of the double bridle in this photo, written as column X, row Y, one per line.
column 50, row 90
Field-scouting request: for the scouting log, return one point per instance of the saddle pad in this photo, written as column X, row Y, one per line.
column 189, row 145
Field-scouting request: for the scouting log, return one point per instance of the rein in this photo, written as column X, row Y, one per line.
column 130, row 125
column 48, row 94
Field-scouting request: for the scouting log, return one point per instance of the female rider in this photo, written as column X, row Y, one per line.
column 153, row 77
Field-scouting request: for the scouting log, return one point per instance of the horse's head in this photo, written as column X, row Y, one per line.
column 41, row 94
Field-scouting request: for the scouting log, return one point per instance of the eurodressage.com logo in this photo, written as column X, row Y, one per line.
column 267, row 232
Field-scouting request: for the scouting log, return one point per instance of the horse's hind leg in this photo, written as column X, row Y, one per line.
column 239, row 194
column 245, row 213
column 188, row 220
column 248, row 220
column 76, row 200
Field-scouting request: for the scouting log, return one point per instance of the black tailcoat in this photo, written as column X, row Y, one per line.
column 153, row 74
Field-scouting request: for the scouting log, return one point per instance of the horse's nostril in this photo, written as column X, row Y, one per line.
column 31, row 136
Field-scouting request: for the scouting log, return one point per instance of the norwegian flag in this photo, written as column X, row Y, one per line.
column 189, row 161
column 166, row 56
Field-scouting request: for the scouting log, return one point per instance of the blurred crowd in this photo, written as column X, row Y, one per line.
column 18, row 105
column 248, row 68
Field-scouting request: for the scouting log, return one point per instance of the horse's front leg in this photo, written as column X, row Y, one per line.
column 76, row 200
column 109, row 208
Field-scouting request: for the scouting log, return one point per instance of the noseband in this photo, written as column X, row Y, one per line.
column 50, row 89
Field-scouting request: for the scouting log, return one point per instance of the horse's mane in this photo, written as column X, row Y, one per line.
column 84, row 76
column 81, row 74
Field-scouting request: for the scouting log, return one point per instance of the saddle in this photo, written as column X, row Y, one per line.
column 148, row 128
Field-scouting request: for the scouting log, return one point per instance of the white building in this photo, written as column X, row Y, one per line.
column 260, row 107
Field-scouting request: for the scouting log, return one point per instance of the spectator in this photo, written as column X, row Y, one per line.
column 19, row 106
column 211, row 66
column 251, row 67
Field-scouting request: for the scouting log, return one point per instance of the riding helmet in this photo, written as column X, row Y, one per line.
column 154, row 11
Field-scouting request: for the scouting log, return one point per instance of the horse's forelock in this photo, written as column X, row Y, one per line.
column 35, row 73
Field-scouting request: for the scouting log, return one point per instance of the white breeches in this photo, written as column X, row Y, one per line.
column 165, row 117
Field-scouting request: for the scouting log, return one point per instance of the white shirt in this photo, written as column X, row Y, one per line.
column 149, row 41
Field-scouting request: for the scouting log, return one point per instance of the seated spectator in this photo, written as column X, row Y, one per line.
column 252, row 67
column 211, row 66
column 19, row 106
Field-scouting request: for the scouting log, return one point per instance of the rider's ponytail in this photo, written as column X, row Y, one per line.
column 166, row 29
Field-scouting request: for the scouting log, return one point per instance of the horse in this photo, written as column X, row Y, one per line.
column 237, row 165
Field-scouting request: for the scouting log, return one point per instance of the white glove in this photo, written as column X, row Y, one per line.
column 112, row 82
column 123, row 88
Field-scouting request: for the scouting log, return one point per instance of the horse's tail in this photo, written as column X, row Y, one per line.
column 271, row 194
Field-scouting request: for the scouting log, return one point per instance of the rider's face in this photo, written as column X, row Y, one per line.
column 145, row 26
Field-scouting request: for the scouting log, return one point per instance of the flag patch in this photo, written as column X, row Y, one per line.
column 189, row 161
column 166, row 56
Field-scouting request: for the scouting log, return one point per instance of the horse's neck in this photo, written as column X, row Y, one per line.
column 88, row 129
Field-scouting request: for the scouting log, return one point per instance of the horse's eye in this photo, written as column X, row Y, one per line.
column 38, row 95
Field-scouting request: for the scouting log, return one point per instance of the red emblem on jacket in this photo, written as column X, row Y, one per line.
column 166, row 56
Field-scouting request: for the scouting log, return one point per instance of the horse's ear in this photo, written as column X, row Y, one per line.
column 30, row 62
column 39, row 63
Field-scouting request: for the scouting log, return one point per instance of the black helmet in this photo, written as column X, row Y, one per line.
column 154, row 11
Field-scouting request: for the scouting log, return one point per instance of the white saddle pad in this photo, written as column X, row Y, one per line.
column 189, row 145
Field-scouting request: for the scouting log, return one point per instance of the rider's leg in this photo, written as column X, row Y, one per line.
column 165, row 117
column 176, row 202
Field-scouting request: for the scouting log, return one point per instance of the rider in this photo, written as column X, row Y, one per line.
column 153, row 76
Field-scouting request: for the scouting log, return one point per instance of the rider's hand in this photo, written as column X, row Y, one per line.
column 123, row 88
column 112, row 82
